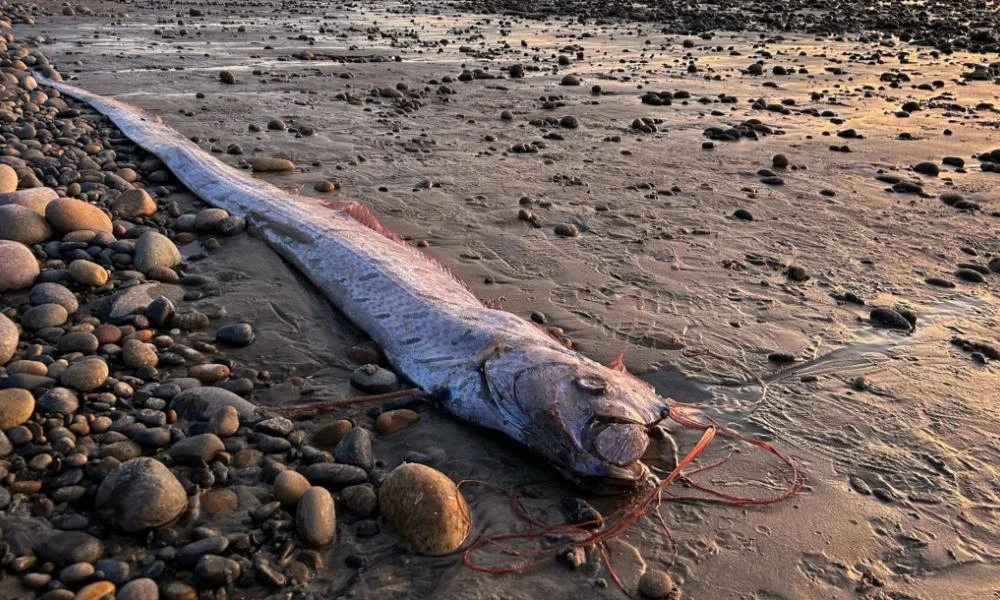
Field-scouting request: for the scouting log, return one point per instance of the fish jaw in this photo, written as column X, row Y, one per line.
column 588, row 421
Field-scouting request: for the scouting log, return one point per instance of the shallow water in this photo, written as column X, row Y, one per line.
column 902, row 481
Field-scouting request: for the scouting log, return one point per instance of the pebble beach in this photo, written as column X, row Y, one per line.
column 784, row 214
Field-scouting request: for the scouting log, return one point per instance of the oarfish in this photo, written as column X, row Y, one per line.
column 485, row 366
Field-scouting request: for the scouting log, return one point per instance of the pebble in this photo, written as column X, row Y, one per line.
column 142, row 493
column 88, row 273
column 289, row 487
column 927, row 168
column 237, row 334
column 216, row 571
column 35, row 199
column 54, row 293
column 142, row 588
column 970, row 275
column 225, row 422
column 796, row 273
column 68, row 547
column 315, row 518
column 356, row 449
column 197, row 448
column 8, row 179
column 178, row 590
column 18, row 267
column 227, row 77
column 8, row 339
column 373, row 379
column 207, row 219
column 889, row 318
column 155, row 250
column 189, row 554
column 85, row 375
column 209, row 373
column 656, row 584
column 743, row 214
column 134, row 203
column 333, row 433
column 360, row 499
column 391, row 421
column 76, row 573
column 160, row 311
column 566, row 230
column 21, row 224
column 200, row 403
column 271, row 165
column 70, row 214
column 46, row 315
column 16, row 407
column 779, row 161
column 334, row 475
column 425, row 509
column 60, row 401
column 95, row 591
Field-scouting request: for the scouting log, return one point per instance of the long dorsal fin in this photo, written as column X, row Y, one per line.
column 363, row 215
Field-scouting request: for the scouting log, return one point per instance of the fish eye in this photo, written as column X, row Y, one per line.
column 592, row 384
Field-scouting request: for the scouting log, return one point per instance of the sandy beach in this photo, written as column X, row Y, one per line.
column 729, row 208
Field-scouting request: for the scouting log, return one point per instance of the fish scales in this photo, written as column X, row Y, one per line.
column 487, row 366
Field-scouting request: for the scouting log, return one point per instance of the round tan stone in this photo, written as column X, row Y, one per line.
column 316, row 518
column 290, row 486
column 134, row 203
column 18, row 266
column 392, row 421
column 95, row 591
column 23, row 225
column 70, row 214
column 8, row 339
column 88, row 273
column 8, row 179
column 16, row 407
column 425, row 509
column 85, row 375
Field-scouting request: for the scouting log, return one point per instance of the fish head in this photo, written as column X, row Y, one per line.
column 589, row 421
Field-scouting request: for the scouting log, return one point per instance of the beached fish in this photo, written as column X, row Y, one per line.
column 485, row 366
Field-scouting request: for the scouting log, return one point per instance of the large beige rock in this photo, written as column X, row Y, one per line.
column 16, row 407
column 134, row 203
column 22, row 224
column 36, row 199
column 155, row 250
column 8, row 339
column 18, row 266
column 141, row 493
column 70, row 214
column 425, row 509
column 8, row 179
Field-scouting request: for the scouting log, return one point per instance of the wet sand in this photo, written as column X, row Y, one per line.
column 901, row 472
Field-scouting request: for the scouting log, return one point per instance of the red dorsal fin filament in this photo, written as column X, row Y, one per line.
column 362, row 214
column 618, row 363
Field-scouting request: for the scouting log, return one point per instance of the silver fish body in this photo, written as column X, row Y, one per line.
column 487, row 367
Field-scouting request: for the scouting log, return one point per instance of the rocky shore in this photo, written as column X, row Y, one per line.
column 134, row 463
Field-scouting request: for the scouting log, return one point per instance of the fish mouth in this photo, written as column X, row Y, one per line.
column 619, row 480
